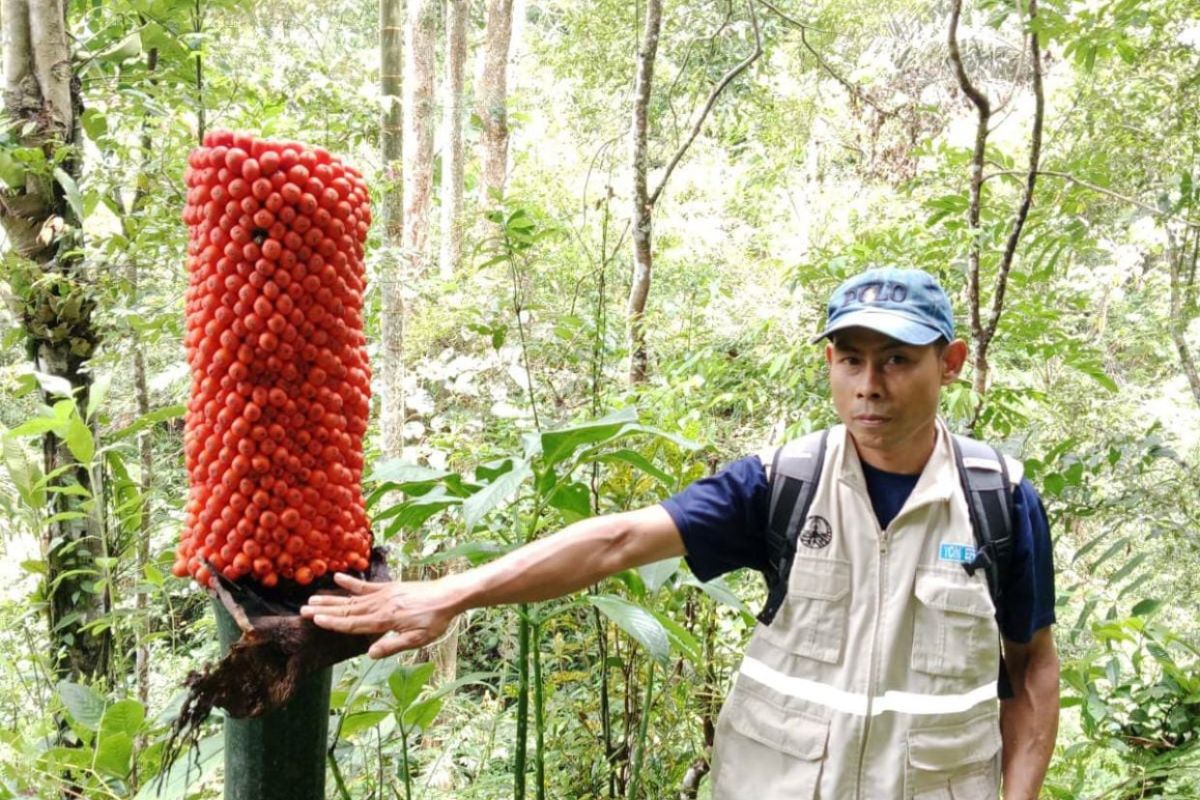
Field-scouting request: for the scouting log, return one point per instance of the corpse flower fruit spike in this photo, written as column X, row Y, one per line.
column 280, row 380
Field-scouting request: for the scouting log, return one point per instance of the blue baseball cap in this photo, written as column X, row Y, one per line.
column 908, row 305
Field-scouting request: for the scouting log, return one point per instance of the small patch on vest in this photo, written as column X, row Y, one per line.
column 817, row 533
column 956, row 553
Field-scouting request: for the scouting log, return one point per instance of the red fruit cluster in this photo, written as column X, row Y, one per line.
column 280, row 380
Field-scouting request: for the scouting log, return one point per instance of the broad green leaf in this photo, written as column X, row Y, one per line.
column 637, row 461
column 395, row 470
column 478, row 505
column 25, row 473
column 558, row 445
column 636, row 621
column 1127, row 568
column 406, row 682
column 476, row 552
column 79, row 440
column 113, row 753
column 84, row 705
column 656, row 574
column 71, row 191
column 151, row 418
column 125, row 716
column 411, row 514
column 573, row 498
column 98, row 393
column 1146, row 607
column 421, row 715
column 719, row 591
column 681, row 639
column 360, row 721
column 36, row 426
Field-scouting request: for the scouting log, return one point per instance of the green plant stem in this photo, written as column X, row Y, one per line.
column 605, row 701
column 404, row 756
column 522, row 703
column 643, row 726
column 337, row 775
column 539, row 714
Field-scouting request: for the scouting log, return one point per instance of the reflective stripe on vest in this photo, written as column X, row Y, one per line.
column 856, row 704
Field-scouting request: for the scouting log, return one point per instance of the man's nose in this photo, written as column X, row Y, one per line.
column 871, row 382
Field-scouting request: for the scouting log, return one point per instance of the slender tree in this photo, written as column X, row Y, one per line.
column 645, row 199
column 41, row 217
column 391, row 61
column 1182, row 256
column 983, row 332
column 452, row 154
column 420, row 34
column 142, row 397
column 492, row 99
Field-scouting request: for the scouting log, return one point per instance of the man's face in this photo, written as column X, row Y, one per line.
column 886, row 393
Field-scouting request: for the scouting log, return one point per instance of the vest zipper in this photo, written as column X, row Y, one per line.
column 862, row 750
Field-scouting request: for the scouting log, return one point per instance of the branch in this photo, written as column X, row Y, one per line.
column 983, row 110
column 738, row 69
column 1035, row 152
column 854, row 90
column 1133, row 201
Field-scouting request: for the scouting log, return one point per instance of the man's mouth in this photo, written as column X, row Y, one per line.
column 870, row 419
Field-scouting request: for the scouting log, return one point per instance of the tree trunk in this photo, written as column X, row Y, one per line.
column 643, row 208
column 56, row 299
column 1183, row 306
column 420, row 33
column 492, row 104
column 445, row 654
column 452, row 153
column 145, row 449
column 391, row 419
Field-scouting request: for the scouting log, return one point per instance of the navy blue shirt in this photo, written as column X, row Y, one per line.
column 723, row 522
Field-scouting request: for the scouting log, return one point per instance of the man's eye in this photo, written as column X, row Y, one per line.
column 898, row 359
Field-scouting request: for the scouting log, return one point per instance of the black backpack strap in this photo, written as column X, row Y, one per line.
column 984, row 475
column 795, row 472
column 989, row 493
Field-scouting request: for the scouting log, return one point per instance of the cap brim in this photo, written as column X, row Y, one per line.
column 889, row 323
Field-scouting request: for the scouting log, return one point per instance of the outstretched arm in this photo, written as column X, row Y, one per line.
column 1029, row 720
column 418, row 612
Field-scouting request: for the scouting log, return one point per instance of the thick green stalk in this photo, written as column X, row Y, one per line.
column 643, row 726
column 281, row 755
column 539, row 714
column 522, row 703
column 404, row 755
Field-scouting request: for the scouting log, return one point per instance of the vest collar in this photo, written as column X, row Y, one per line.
column 938, row 480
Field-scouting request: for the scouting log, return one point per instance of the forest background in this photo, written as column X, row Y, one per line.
column 630, row 212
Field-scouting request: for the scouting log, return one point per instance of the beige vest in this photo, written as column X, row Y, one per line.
column 877, row 679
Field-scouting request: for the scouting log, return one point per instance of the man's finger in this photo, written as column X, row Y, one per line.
column 396, row 642
column 359, row 623
column 356, row 586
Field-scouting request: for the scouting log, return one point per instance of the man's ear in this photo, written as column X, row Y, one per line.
column 829, row 353
column 954, row 357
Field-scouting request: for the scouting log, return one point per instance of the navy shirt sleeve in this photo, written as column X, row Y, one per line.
column 1027, row 600
column 723, row 519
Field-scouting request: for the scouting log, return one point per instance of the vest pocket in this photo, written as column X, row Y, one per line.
column 954, row 762
column 766, row 752
column 812, row 621
column 953, row 632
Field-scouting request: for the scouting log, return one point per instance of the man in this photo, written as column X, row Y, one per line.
column 877, row 677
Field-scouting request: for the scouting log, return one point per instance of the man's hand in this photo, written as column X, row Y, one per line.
column 1029, row 720
column 417, row 613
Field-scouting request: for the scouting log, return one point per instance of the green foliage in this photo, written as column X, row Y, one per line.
column 519, row 419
